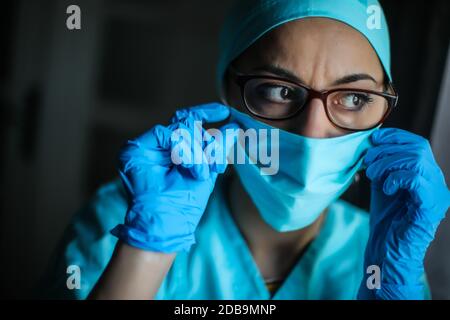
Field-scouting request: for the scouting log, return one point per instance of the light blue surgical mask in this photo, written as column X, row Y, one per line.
column 311, row 174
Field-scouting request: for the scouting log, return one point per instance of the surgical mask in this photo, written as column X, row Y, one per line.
column 312, row 172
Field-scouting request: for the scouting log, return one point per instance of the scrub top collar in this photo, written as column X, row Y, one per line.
column 300, row 273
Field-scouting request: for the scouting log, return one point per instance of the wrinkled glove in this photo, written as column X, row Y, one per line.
column 169, row 177
column 409, row 199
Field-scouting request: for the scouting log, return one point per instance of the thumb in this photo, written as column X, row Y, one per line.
column 229, row 138
column 230, row 132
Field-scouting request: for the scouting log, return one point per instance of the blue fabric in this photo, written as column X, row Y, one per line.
column 87, row 243
column 249, row 20
column 219, row 266
column 409, row 199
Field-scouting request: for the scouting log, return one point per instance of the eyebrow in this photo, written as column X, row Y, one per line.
column 284, row 73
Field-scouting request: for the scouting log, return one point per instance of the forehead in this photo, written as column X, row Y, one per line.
column 314, row 45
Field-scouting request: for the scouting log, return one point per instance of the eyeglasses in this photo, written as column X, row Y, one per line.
column 275, row 98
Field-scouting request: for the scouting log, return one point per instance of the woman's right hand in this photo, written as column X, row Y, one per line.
column 168, row 190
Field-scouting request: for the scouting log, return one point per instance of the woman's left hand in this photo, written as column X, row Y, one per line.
column 408, row 201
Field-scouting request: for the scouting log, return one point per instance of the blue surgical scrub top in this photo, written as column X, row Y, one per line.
column 220, row 264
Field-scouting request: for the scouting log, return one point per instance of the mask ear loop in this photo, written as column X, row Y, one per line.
column 356, row 178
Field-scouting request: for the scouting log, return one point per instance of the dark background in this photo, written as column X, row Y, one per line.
column 69, row 99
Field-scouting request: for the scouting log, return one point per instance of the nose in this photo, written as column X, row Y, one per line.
column 313, row 121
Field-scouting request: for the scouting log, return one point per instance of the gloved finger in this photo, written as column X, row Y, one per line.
column 223, row 146
column 396, row 136
column 388, row 139
column 151, row 148
column 157, row 138
column 402, row 179
column 210, row 112
column 231, row 135
column 206, row 151
column 422, row 192
column 161, row 135
column 379, row 169
column 187, row 149
column 210, row 159
column 200, row 169
column 381, row 151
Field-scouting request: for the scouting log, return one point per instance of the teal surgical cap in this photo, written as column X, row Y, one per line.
column 249, row 20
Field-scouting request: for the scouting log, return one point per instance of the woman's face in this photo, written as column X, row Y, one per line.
column 318, row 52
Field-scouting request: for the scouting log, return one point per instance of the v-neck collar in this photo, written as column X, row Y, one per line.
column 296, row 284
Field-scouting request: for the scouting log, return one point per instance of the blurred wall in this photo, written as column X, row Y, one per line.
column 438, row 256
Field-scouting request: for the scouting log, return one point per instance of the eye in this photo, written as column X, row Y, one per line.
column 276, row 93
column 354, row 101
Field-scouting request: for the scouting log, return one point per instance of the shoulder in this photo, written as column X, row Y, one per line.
column 109, row 195
column 86, row 243
column 103, row 211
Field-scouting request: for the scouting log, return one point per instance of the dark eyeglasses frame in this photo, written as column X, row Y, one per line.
column 242, row 79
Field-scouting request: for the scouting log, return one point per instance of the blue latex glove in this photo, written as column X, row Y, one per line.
column 409, row 199
column 167, row 200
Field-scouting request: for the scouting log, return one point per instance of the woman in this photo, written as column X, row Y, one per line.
column 319, row 72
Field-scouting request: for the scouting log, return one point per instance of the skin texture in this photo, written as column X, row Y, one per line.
column 318, row 51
